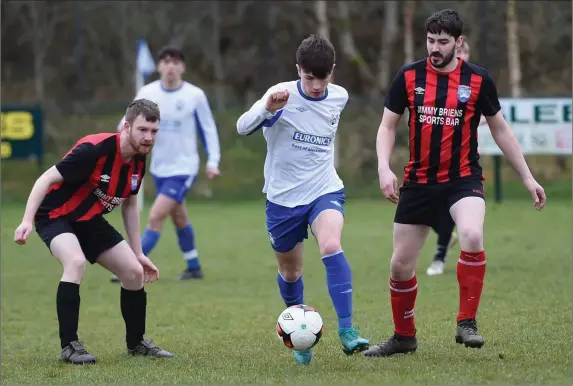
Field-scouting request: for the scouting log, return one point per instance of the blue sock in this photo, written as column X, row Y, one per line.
column 149, row 240
column 186, row 238
column 291, row 291
column 339, row 281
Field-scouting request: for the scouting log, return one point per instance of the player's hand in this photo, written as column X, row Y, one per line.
column 150, row 271
column 212, row 172
column 388, row 184
column 23, row 232
column 277, row 100
column 537, row 193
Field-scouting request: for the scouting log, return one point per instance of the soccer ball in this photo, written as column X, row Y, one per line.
column 299, row 327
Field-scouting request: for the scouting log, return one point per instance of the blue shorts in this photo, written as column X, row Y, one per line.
column 175, row 187
column 289, row 226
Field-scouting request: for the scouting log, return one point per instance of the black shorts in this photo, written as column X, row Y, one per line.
column 430, row 204
column 95, row 236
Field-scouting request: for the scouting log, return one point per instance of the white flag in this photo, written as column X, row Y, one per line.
column 145, row 62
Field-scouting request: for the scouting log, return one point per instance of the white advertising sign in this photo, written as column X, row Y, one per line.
column 541, row 125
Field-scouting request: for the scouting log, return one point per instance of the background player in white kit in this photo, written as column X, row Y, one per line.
column 175, row 163
column 299, row 121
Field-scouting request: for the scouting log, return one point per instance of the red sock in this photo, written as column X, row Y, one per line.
column 403, row 298
column 471, row 272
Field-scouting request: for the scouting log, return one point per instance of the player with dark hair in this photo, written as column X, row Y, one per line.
column 299, row 121
column 444, row 226
column 67, row 204
column 445, row 98
column 175, row 162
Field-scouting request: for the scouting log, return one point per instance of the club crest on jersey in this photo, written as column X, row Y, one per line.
column 179, row 105
column 464, row 93
column 334, row 116
column 134, row 180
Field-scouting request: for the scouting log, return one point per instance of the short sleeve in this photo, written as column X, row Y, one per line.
column 488, row 100
column 397, row 98
column 79, row 163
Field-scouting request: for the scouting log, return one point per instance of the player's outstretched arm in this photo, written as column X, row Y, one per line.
column 507, row 142
column 263, row 109
column 384, row 145
column 39, row 190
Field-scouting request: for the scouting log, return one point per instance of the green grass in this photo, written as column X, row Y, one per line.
column 222, row 329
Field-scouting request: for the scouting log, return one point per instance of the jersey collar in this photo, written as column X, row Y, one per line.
column 309, row 98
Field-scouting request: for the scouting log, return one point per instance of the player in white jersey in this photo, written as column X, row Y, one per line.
column 175, row 162
column 299, row 120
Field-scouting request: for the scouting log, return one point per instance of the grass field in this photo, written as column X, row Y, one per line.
column 222, row 329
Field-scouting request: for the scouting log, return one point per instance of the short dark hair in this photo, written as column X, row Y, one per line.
column 446, row 20
column 145, row 107
column 316, row 55
column 172, row 52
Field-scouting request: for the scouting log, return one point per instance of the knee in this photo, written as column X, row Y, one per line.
column 74, row 268
column 290, row 265
column 402, row 266
column 132, row 277
column 471, row 239
column 329, row 245
column 290, row 273
column 155, row 220
column 179, row 218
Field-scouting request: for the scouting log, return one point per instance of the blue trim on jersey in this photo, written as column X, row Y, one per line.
column 309, row 98
column 268, row 122
column 201, row 132
column 173, row 90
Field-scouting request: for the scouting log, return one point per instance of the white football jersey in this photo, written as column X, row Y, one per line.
column 299, row 165
column 185, row 115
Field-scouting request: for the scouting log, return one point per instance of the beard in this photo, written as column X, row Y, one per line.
column 440, row 62
column 139, row 148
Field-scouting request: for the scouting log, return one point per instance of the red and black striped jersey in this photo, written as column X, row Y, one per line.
column 444, row 113
column 96, row 179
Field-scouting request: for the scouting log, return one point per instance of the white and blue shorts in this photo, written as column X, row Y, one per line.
column 289, row 226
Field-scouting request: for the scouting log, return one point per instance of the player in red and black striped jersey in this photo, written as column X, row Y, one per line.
column 445, row 97
column 67, row 204
column 444, row 226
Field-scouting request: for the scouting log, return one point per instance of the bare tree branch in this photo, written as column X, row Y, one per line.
column 349, row 47
column 513, row 50
column 389, row 36
column 408, row 33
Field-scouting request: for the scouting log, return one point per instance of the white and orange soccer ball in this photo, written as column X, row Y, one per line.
column 300, row 327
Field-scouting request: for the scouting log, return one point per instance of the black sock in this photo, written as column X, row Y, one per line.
column 133, row 309
column 444, row 237
column 68, row 308
column 441, row 253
